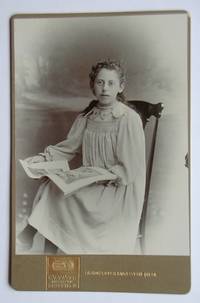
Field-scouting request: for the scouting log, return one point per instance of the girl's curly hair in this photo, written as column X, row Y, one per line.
column 111, row 65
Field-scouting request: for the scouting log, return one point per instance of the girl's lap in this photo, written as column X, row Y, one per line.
column 93, row 199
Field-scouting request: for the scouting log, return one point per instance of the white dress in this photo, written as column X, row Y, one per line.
column 97, row 219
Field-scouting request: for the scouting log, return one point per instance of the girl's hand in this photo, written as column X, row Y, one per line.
column 115, row 182
column 35, row 159
column 105, row 183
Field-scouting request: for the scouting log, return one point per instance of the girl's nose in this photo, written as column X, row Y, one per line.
column 105, row 86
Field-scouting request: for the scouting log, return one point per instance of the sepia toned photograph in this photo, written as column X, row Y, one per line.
column 100, row 107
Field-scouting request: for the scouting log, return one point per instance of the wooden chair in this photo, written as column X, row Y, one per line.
column 146, row 110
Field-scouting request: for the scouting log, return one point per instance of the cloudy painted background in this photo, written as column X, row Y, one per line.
column 52, row 60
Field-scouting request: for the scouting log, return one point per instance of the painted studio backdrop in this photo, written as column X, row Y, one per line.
column 52, row 61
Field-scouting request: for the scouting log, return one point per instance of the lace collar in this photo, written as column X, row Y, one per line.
column 107, row 113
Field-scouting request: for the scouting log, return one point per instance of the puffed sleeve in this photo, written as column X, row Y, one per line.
column 68, row 148
column 131, row 167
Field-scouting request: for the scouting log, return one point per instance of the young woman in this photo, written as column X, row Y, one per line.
column 102, row 218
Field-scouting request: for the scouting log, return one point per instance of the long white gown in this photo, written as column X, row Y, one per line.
column 97, row 219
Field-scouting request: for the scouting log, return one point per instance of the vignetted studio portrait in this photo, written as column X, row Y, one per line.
column 101, row 134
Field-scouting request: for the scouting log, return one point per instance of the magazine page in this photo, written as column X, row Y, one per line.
column 67, row 180
column 73, row 180
column 40, row 169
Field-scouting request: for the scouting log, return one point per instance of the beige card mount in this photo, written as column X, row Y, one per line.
column 128, row 233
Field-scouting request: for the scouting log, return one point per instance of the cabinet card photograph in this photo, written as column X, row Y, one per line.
column 100, row 151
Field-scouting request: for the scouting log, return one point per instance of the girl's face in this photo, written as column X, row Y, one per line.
column 106, row 86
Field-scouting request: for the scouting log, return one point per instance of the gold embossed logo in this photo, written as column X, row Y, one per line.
column 62, row 273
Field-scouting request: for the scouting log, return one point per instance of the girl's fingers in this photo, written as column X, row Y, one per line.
column 29, row 160
column 35, row 159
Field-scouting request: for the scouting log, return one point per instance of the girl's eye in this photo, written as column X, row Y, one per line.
column 99, row 82
column 110, row 83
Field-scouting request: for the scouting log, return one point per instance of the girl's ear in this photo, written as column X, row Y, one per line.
column 122, row 86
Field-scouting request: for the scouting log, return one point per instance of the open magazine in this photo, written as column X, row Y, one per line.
column 67, row 180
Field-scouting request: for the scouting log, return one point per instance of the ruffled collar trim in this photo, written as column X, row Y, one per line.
column 116, row 110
